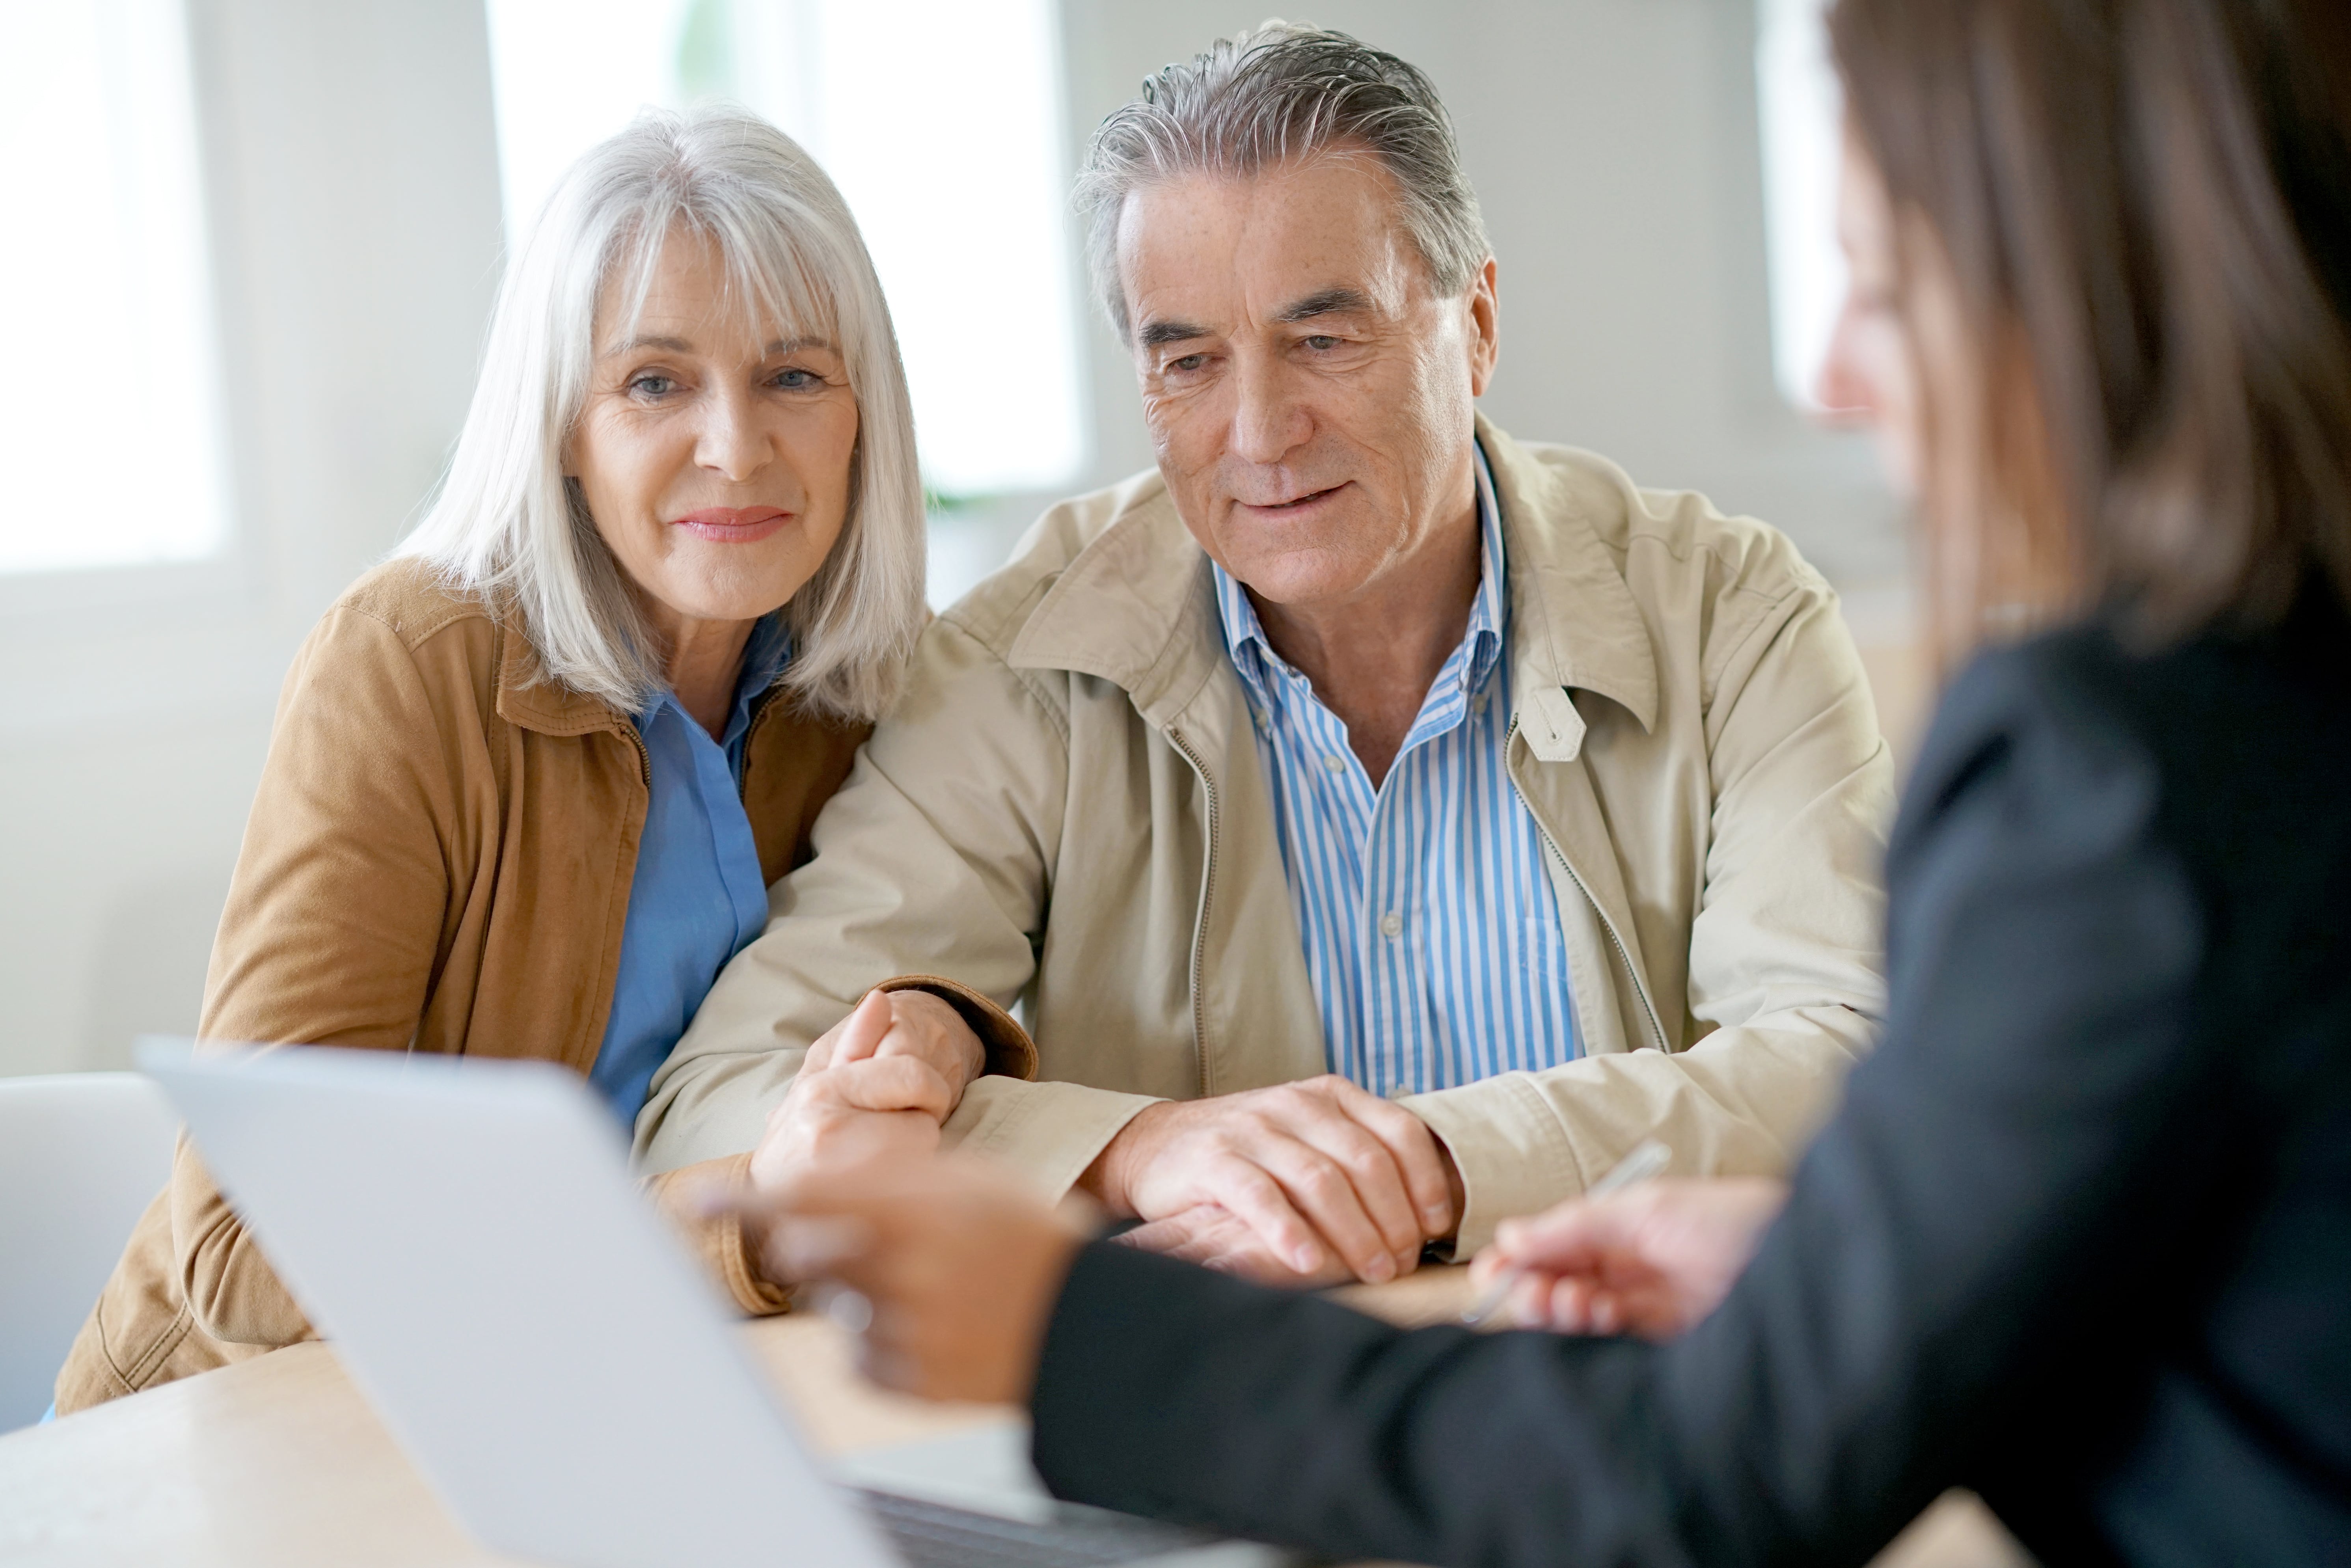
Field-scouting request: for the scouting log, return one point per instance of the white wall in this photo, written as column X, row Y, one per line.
column 355, row 207
column 352, row 152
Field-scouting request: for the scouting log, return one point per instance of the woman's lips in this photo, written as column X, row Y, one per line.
column 732, row 525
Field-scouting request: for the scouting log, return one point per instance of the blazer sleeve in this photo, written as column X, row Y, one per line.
column 1781, row 980
column 332, row 923
column 1968, row 1249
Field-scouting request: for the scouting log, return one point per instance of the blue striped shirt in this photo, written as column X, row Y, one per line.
column 1431, row 930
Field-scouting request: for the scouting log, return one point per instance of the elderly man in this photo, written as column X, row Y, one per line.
column 1383, row 825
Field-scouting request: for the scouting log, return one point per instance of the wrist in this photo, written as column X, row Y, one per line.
column 1105, row 1180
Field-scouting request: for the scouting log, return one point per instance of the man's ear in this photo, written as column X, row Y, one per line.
column 1484, row 307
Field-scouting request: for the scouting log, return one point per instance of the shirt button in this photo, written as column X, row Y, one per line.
column 1398, row 1090
column 1391, row 924
column 1333, row 761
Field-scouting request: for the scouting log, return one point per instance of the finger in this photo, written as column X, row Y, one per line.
column 1371, row 1169
column 1581, row 1236
column 1420, row 1162
column 886, row 1083
column 1258, row 1200
column 801, row 1248
column 863, row 1032
column 1318, row 1188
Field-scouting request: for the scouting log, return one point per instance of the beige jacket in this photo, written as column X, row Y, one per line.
column 1067, row 808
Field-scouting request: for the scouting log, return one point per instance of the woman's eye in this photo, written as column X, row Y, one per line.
column 652, row 386
column 794, row 380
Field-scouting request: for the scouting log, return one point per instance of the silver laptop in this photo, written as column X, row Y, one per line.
column 538, row 1342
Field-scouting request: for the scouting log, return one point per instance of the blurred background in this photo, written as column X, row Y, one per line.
column 257, row 241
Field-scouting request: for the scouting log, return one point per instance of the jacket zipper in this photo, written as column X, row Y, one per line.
column 1640, row 985
column 1200, row 919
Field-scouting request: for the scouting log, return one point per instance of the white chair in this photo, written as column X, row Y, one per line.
column 81, row 1155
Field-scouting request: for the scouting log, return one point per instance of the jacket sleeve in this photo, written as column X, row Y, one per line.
column 1973, row 1253
column 1782, row 981
column 935, row 856
column 332, row 921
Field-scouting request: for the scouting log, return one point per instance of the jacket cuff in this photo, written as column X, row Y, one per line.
column 717, row 1239
column 1010, row 1052
column 1048, row 1132
column 1514, row 1155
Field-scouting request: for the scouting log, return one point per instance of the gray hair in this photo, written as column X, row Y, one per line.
column 1272, row 96
column 507, row 526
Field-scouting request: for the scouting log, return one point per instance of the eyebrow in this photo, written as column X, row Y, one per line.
column 1336, row 301
column 1326, row 302
column 1159, row 333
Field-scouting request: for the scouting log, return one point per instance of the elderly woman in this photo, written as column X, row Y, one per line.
column 530, row 778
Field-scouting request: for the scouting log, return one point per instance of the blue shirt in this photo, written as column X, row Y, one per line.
column 697, row 898
column 1430, row 926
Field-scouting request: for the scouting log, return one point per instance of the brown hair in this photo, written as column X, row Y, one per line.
column 2145, row 208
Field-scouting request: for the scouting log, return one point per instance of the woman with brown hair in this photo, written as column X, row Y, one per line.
column 2080, row 1237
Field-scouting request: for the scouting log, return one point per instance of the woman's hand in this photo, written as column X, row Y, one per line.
column 959, row 1263
column 876, row 1086
column 1651, row 1259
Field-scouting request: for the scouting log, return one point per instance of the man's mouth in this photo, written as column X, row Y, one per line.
column 1295, row 503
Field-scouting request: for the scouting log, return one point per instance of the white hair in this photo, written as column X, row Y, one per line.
column 1279, row 94
column 508, row 526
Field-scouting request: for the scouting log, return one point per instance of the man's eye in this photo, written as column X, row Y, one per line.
column 1188, row 363
column 652, row 386
column 1320, row 341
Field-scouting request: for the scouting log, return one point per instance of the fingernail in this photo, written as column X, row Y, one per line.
column 1380, row 1270
column 1436, row 1219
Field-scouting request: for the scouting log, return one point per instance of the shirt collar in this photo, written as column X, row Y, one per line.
column 1253, row 655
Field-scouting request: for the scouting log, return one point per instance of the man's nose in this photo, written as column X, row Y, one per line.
column 1842, row 386
column 1270, row 417
column 733, row 444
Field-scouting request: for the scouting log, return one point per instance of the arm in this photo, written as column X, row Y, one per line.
column 333, row 923
column 1783, row 980
column 936, row 854
column 1941, row 1298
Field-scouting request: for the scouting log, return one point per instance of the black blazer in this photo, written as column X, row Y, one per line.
column 2080, row 1237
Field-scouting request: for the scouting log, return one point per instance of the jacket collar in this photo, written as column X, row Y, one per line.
column 529, row 698
column 1137, row 605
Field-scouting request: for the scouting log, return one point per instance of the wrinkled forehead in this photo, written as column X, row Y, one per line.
column 750, row 290
column 1248, row 242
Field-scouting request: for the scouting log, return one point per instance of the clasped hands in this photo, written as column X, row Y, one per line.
column 1303, row 1184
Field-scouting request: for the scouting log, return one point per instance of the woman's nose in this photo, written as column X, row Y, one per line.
column 1844, row 388
column 733, row 444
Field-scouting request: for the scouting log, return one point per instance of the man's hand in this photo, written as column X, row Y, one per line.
column 960, row 1264
column 876, row 1086
column 1215, row 1238
column 1326, row 1174
column 1651, row 1259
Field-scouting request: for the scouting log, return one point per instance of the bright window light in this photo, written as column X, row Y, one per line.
column 941, row 122
column 1802, row 127
column 110, row 420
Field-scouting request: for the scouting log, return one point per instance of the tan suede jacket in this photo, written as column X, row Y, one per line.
column 1068, row 808
column 438, row 858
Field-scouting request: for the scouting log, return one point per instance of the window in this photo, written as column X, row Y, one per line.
column 941, row 122
column 111, row 416
column 1803, row 129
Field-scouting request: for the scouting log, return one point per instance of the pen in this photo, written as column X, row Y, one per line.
column 1648, row 1159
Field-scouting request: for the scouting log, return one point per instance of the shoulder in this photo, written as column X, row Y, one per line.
column 1647, row 530
column 1133, row 516
column 411, row 605
column 400, row 626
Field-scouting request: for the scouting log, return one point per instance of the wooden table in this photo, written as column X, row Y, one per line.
column 279, row 1461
